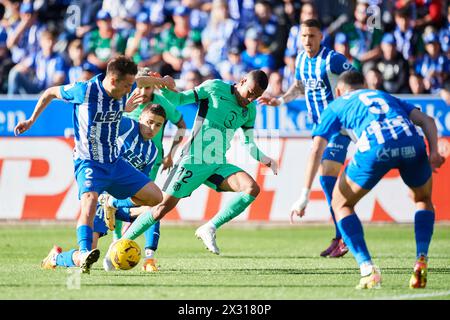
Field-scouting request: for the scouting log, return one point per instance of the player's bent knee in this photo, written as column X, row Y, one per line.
column 252, row 189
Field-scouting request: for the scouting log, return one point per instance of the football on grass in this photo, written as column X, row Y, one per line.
column 125, row 254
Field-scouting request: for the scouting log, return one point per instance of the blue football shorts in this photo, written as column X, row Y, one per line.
column 408, row 155
column 336, row 149
column 120, row 179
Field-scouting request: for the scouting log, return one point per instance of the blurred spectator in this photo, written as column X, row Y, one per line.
column 288, row 72
column 174, row 41
column 82, row 20
column 393, row 67
column 272, row 36
column 195, row 60
column 445, row 92
column 408, row 42
column 104, row 42
column 252, row 57
column 6, row 62
column 123, row 14
column 216, row 35
column 24, row 33
column 190, row 79
column 76, row 57
column 155, row 9
column 275, row 86
column 294, row 43
column 364, row 42
column 198, row 17
column 416, row 84
column 144, row 45
column 12, row 12
column 40, row 71
column 291, row 11
column 232, row 69
column 88, row 71
column 374, row 79
column 424, row 12
column 341, row 46
column 444, row 34
column 433, row 67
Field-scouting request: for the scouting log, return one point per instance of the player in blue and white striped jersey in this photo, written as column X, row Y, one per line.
column 386, row 137
column 136, row 148
column 98, row 105
column 316, row 71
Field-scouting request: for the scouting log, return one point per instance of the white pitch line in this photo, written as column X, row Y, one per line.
column 417, row 296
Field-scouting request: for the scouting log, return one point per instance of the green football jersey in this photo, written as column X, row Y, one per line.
column 218, row 117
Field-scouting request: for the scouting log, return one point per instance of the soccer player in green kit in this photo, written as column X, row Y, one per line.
column 222, row 109
column 166, row 160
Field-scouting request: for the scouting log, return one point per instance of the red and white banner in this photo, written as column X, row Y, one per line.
column 37, row 182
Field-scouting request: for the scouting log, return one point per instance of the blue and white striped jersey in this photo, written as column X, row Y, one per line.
column 319, row 77
column 96, row 120
column 140, row 153
column 371, row 117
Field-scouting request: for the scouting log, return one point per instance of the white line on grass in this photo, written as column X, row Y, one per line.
column 417, row 296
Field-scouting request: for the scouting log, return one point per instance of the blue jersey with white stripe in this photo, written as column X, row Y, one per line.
column 140, row 153
column 96, row 120
column 319, row 77
column 371, row 117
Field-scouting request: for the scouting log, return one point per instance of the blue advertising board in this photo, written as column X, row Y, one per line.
column 290, row 121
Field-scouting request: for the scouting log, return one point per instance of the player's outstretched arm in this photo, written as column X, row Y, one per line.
column 44, row 100
column 156, row 81
column 430, row 130
column 297, row 89
column 318, row 147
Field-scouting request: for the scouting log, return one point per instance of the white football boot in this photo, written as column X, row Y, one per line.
column 207, row 234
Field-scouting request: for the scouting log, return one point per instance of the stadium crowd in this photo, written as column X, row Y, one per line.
column 401, row 46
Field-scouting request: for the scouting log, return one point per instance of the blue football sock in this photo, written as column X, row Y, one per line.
column 64, row 259
column 123, row 203
column 84, row 238
column 123, row 214
column 423, row 229
column 353, row 236
column 328, row 183
column 152, row 237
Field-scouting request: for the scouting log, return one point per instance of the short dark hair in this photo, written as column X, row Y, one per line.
column 260, row 77
column 121, row 66
column 352, row 78
column 312, row 23
column 404, row 12
column 155, row 109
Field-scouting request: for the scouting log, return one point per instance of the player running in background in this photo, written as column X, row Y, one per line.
column 384, row 128
column 316, row 71
column 222, row 109
column 166, row 160
column 137, row 148
column 98, row 107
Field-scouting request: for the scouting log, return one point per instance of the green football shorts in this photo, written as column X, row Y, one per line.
column 186, row 176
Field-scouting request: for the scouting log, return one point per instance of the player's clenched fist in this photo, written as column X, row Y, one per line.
column 299, row 206
column 23, row 126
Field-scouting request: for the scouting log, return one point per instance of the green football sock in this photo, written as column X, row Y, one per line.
column 117, row 234
column 235, row 207
column 138, row 227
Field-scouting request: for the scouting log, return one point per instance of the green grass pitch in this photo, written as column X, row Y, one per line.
column 257, row 262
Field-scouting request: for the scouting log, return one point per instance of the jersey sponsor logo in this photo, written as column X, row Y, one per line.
column 383, row 155
column 230, row 119
column 108, row 116
column 314, row 84
column 224, row 99
column 134, row 160
column 176, row 186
